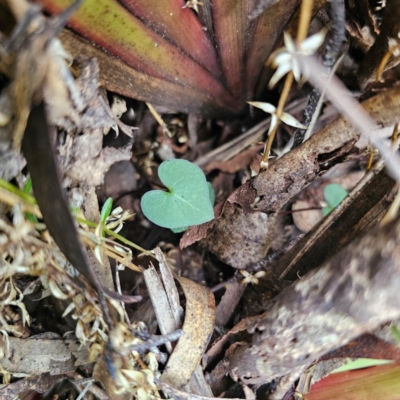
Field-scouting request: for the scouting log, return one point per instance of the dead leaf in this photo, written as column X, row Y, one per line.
column 217, row 348
column 242, row 160
column 180, row 395
column 38, row 356
column 367, row 346
column 39, row 384
column 91, row 171
column 42, row 166
column 197, row 327
column 306, row 218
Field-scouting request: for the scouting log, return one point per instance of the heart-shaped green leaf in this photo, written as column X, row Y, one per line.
column 187, row 201
column 334, row 194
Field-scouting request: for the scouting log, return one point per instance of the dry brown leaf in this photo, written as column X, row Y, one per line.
column 91, row 171
column 219, row 345
column 39, row 384
column 307, row 217
column 39, row 356
column 181, row 395
column 236, row 163
column 161, row 304
column 198, row 327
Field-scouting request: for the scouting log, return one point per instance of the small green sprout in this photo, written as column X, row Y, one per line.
column 105, row 212
column 334, row 194
column 27, row 190
column 396, row 334
column 188, row 200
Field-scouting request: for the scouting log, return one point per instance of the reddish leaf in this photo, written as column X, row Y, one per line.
column 198, row 69
column 179, row 25
column 377, row 383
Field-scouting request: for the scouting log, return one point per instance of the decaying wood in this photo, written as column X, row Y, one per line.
column 238, row 237
column 357, row 214
column 355, row 292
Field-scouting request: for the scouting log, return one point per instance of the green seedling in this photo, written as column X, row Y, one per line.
column 334, row 194
column 27, row 190
column 360, row 363
column 188, row 200
column 396, row 334
column 28, row 186
column 105, row 213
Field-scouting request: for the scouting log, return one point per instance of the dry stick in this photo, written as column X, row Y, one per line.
column 395, row 134
column 353, row 111
column 329, row 57
column 304, row 22
column 315, row 116
column 159, row 119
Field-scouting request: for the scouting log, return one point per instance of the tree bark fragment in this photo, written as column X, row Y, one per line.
column 356, row 292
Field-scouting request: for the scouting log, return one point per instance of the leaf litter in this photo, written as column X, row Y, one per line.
column 41, row 292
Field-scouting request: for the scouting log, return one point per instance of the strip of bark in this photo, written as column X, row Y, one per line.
column 355, row 292
column 241, row 239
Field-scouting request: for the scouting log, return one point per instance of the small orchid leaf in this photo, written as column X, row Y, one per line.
column 360, row 363
column 187, row 201
column 334, row 194
column 27, row 190
column 28, row 186
column 105, row 213
column 106, row 210
column 396, row 334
